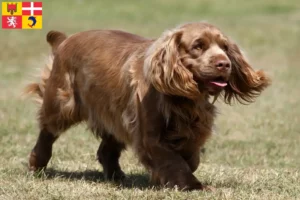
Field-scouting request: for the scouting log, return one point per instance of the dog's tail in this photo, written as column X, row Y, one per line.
column 54, row 38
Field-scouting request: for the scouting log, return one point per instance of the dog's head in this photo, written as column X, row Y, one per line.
column 198, row 58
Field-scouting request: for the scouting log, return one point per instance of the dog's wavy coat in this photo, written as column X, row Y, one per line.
column 152, row 95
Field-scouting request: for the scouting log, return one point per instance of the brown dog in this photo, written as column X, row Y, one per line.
column 152, row 95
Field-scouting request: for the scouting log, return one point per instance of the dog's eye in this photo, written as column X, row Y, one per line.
column 225, row 47
column 199, row 46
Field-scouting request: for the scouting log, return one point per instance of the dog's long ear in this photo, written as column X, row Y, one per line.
column 164, row 69
column 245, row 84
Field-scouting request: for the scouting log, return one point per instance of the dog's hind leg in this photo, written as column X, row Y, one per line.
column 49, row 132
column 108, row 155
column 60, row 110
column 42, row 151
column 52, row 124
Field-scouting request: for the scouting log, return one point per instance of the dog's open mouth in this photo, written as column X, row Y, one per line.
column 219, row 81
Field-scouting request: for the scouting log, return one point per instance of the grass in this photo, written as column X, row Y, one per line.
column 255, row 153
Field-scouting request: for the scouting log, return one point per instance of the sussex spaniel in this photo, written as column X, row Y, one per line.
column 153, row 95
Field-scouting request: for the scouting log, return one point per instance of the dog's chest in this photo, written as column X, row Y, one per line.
column 191, row 130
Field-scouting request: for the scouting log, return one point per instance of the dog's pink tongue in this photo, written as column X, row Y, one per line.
column 221, row 84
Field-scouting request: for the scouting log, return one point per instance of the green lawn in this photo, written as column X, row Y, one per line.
column 255, row 153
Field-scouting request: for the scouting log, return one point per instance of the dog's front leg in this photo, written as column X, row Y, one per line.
column 166, row 166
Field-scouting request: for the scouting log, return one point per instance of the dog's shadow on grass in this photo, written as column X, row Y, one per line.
column 140, row 181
